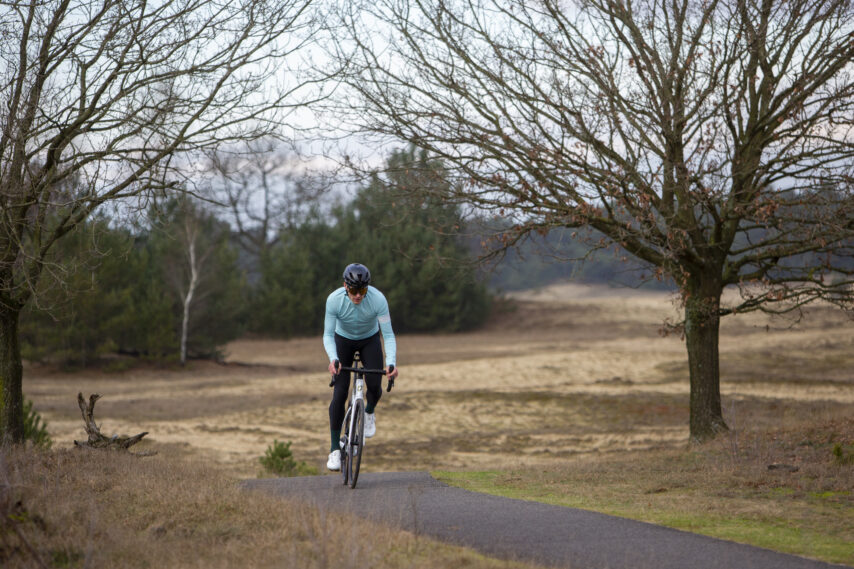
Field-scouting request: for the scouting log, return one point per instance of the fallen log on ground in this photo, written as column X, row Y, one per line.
column 96, row 439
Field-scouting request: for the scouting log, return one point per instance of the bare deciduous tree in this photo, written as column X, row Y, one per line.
column 265, row 188
column 712, row 140
column 120, row 96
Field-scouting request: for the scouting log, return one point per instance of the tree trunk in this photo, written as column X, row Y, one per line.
column 11, row 378
column 188, row 298
column 702, row 331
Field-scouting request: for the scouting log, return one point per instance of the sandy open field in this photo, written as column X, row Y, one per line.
column 563, row 371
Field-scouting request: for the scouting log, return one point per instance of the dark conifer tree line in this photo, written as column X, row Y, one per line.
column 183, row 272
column 128, row 290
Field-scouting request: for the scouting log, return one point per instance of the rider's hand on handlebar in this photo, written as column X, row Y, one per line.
column 391, row 371
column 335, row 367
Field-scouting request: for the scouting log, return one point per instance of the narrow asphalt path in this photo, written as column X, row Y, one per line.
column 548, row 535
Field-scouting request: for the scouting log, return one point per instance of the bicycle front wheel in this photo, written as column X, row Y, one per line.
column 345, row 448
column 358, row 442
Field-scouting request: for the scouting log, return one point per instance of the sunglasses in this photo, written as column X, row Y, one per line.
column 361, row 290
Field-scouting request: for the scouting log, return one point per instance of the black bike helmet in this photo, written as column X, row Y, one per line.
column 357, row 275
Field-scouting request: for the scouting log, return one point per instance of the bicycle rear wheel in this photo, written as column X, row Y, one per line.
column 345, row 449
column 357, row 442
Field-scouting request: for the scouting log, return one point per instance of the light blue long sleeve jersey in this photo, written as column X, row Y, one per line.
column 358, row 321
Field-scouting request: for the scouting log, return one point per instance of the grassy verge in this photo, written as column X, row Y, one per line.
column 803, row 505
column 76, row 508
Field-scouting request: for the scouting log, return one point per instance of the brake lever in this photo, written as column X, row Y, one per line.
column 332, row 382
column 391, row 379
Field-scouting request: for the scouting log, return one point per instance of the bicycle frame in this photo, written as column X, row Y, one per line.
column 357, row 393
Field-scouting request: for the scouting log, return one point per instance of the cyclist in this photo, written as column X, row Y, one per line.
column 356, row 314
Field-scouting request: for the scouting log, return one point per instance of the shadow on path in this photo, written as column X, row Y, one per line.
column 548, row 535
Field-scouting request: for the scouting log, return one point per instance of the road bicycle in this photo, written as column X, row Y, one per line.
column 353, row 428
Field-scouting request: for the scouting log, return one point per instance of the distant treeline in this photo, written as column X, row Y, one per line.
column 121, row 289
column 562, row 255
column 585, row 255
column 113, row 288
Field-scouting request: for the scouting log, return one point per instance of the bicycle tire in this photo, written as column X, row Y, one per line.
column 357, row 443
column 345, row 450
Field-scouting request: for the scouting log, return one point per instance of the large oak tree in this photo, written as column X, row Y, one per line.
column 710, row 139
column 120, row 96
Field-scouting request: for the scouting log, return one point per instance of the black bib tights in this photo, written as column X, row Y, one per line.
column 371, row 351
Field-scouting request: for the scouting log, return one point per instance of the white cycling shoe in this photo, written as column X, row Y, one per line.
column 334, row 462
column 370, row 425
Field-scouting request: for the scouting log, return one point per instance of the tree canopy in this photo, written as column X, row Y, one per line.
column 107, row 101
column 712, row 140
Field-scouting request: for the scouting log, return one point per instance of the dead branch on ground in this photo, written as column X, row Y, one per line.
column 96, row 439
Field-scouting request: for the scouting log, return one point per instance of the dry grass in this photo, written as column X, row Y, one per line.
column 802, row 505
column 563, row 384
column 77, row 508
